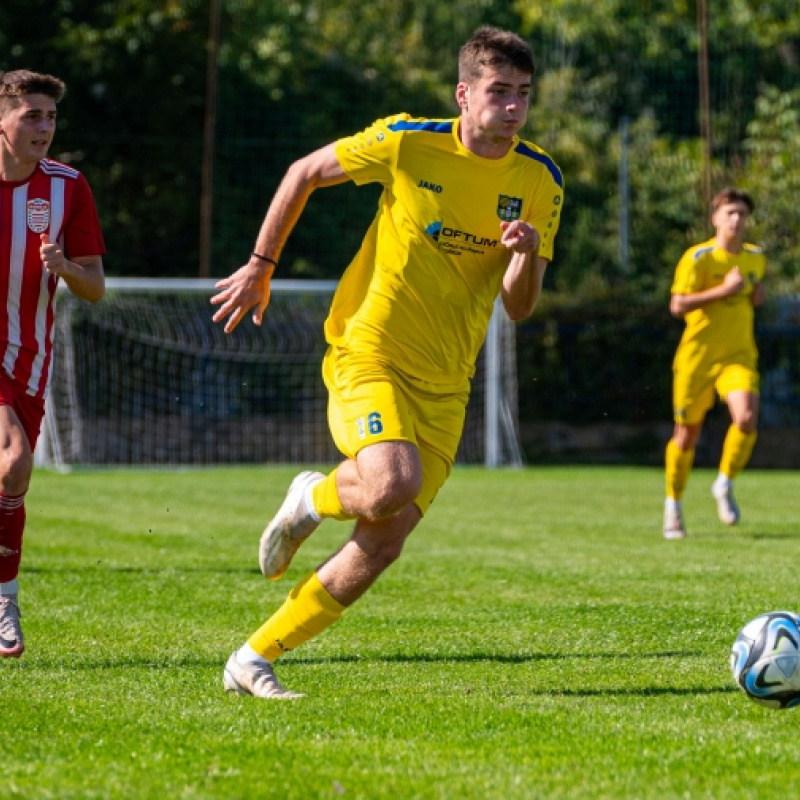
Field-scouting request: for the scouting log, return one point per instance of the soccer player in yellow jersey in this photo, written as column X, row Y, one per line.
column 717, row 285
column 468, row 212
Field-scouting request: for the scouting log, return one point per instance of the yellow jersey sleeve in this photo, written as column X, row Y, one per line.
column 370, row 156
column 543, row 205
column 690, row 274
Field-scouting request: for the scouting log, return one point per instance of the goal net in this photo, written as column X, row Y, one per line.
column 146, row 378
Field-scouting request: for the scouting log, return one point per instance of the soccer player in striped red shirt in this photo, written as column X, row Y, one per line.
column 49, row 230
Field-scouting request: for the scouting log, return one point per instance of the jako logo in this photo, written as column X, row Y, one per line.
column 432, row 187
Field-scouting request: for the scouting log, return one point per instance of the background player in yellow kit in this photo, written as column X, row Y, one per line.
column 468, row 212
column 717, row 284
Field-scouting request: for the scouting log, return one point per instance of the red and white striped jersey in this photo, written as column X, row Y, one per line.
column 55, row 200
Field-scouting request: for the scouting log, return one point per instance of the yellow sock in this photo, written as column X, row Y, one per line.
column 736, row 451
column 306, row 612
column 326, row 499
column 679, row 465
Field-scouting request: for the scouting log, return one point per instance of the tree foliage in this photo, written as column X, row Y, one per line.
column 132, row 117
column 772, row 171
column 294, row 75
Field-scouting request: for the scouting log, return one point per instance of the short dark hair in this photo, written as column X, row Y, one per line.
column 732, row 195
column 492, row 47
column 19, row 82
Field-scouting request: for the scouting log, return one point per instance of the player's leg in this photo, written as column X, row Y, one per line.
column 678, row 461
column 377, row 541
column 369, row 406
column 373, row 547
column 381, row 480
column 16, row 466
column 739, row 388
column 354, row 489
column 317, row 602
column 368, row 415
column 692, row 395
column 371, row 423
column 321, row 597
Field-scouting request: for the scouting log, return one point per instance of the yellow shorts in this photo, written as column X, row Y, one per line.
column 693, row 391
column 370, row 402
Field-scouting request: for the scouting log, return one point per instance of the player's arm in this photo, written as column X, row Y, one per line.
column 83, row 275
column 249, row 286
column 733, row 282
column 522, row 282
column 759, row 296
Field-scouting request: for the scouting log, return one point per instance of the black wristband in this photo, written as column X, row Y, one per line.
column 264, row 258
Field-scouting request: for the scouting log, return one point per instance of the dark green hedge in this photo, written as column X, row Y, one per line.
column 609, row 359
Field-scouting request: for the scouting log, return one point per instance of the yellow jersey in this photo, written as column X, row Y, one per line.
column 720, row 332
column 420, row 292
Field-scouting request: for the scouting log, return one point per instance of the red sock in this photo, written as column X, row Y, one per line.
column 12, row 524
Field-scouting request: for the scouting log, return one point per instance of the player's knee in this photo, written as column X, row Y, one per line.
column 383, row 540
column 393, row 492
column 686, row 436
column 16, row 466
column 747, row 422
column 388, row 552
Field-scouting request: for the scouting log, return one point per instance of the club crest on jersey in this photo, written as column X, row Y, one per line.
column 509, row 208
column 38, row 215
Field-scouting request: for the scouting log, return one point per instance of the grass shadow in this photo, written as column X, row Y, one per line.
column 740, row 536
column 498, row 658
column 658, row 691
column 72, row 664
column 192, row 661
column 97, row 566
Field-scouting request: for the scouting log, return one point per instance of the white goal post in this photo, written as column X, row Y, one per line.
column 146, row 378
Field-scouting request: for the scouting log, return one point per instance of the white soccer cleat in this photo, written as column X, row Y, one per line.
column 727, row 510
column 290, row 527
column 12, row 644
column 674, row 527
column 257, row 680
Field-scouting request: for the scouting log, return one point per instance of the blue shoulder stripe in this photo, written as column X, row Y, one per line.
column 524, row 150
column 701, row 252
column 430, row 125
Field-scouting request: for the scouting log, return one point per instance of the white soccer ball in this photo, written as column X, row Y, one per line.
column 765, row 659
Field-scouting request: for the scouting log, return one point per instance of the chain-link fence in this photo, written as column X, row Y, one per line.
column 619, row 102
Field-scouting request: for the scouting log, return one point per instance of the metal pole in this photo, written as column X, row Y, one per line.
column 705, row 105
column 492, row 412
column 624, row 197
column 209, row 126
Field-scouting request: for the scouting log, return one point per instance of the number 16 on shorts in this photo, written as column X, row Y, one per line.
column 371, row 424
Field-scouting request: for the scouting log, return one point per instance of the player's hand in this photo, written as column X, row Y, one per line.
column 520, row 237
column 247, row 288
column 52, row 256
column 733, row 281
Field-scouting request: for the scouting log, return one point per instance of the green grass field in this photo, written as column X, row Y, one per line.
column 538, row 639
